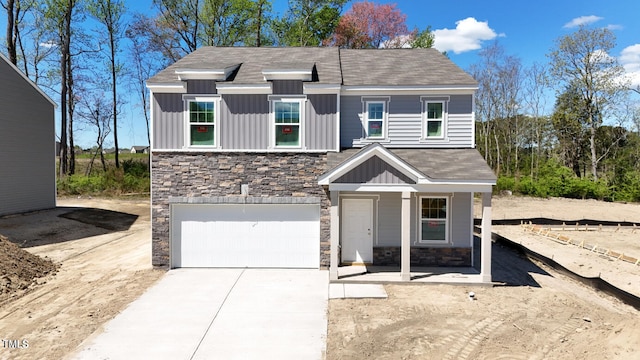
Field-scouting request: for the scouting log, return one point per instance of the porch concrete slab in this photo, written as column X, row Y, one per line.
column 356, row 291
column 391, row 274
column 220, row 314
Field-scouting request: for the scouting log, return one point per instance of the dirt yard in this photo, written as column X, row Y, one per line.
column 536, row 313
column 103, row 248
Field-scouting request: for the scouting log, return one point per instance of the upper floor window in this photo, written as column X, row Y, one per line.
column 288, row 118
column 202, row 119
column 434, row 219
column 434, row 118
column 375, row 117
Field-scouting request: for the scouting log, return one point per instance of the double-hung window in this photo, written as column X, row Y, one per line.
column 434, row 117
column 434, row 219
column 202, row 120
column 375, row 119
column 287, row 115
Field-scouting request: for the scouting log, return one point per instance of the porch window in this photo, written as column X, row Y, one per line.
column 201, row 121
column 287, row 121
column 434, row 216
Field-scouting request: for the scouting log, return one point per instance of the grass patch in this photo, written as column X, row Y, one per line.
column 132, row 178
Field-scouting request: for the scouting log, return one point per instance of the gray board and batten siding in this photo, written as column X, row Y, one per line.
column 405, row 122
column 244, row 122
column 27, row 144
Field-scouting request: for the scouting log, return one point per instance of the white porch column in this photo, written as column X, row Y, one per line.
column 335, row 235
column 405, row 252
column 485, row 241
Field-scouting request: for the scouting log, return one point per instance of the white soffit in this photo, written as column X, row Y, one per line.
column 223, row 88
column 179, row 88
column 287, row 74
column 205, row 74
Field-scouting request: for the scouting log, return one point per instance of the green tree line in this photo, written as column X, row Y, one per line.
column 586, row 146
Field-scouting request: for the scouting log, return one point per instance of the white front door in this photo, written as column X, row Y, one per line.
column 357, row 231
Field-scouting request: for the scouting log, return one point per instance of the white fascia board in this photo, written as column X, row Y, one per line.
column 290, row 74
column 244, row 88
column 379, row 151
column 205, row 74
column 439, row 188
column 425, row 181
column 308, row 88
column 176, row 88
column 218, row 150
column 408, row 90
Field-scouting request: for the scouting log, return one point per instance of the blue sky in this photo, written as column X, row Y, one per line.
column 526, row 29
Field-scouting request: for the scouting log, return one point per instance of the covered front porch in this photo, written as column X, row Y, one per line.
column 391, row 222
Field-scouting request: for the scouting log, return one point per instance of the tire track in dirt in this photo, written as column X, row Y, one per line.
column 557, row 335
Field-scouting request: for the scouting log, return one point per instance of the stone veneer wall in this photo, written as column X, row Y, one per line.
column 210, row 174
column 423, row 256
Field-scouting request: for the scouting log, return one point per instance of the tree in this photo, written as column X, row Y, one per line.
column 307, row 22
column 422, row 39
column 13, row 14
column 96, row 111
column 146, row 62
column 497, row 103
column 581, row 59
column 58, row 15
column 233, row 22
column 369, row 25
column 536, row 81
column 569, row 128
column 109, row 13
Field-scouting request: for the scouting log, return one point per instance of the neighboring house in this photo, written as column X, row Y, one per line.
column 27, row 142
column 139, row 149
column 316, row 157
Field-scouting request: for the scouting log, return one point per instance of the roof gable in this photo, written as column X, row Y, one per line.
column 29, row 81
column 401, row 170
column 374, row 171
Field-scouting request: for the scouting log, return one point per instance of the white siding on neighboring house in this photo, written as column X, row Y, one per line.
column 27, row 144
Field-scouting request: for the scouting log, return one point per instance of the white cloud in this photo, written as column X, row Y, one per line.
column 630, row 59
column 468, row 35
column 582, row 20
column 613, row 27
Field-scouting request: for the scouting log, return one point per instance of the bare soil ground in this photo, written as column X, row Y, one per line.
column 103, row 250
column 536, row 314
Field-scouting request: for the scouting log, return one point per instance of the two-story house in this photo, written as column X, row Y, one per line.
column 316, row 157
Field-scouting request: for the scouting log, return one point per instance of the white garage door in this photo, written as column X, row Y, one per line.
column 245, row 235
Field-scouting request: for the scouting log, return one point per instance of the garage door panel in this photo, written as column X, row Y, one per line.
column 233, row 235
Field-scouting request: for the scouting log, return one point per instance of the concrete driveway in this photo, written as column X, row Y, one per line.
column 221, row 314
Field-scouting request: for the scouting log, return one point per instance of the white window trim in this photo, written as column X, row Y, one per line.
column 272, row 120
column 216, row 120
column 426, row 100
column 384, row 100
column 447, row 231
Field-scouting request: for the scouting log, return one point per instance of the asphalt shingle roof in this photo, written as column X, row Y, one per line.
column 253, row 60
column 396, row 67
column 436, row 164
column 349, row 67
